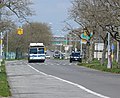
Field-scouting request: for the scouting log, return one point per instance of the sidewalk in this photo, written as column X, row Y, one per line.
column 25, row 82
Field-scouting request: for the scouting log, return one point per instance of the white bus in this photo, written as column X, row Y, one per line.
column 36, row 52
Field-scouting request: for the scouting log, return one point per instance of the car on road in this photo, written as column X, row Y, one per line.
column 47, row 56
column 58, row 55
column 75, row 56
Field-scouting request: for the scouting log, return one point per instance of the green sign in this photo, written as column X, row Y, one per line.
column 83, row 36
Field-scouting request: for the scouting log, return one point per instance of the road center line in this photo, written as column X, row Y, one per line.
column 77, row 85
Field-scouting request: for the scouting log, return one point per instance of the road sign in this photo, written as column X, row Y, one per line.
column 112, row 47
column 1, row 41
column 85, row 36
column 83, row 41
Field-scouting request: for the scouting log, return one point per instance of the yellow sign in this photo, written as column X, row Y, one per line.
column 45, row 49
column 83, row 41
column 1, row 41
column 19, row 31
column 85, row 33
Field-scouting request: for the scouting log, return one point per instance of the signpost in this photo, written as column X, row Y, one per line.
column 84, row 39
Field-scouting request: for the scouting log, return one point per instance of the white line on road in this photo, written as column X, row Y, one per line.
column 77, row 85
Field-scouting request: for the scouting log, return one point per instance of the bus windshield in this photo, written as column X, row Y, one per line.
column 36, row 50
column 40, row 50
column 33, row 51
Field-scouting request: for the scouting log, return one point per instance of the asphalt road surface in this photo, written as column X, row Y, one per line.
column 96, row 83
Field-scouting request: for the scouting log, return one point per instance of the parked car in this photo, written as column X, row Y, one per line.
column 75, row 56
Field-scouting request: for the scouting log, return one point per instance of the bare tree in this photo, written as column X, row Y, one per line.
column 21, row 8
column 104, row 14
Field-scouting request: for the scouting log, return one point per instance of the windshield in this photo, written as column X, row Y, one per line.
column 37, row 51
column 33, row 51
column 75, row 54
column 40, row 50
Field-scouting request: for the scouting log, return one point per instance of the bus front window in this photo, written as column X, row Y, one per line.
column 33, row 51
column 41, row 51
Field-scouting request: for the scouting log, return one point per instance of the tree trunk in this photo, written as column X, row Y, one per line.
column 16, row 57
column 104, row 53
column 119, row 56
column 91, row 52
column 87, row 54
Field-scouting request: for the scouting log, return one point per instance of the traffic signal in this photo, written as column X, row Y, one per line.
column 19, row 31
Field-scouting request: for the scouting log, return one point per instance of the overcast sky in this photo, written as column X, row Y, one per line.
column 53, row 12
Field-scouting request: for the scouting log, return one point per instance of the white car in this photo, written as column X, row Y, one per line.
column 47, row 56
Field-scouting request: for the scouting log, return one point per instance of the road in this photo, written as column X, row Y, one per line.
column 100, row 84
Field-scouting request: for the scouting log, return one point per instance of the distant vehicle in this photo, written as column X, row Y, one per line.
column 47, row 56
column 58, row 55
column 75, row 56
column 36, row 52
column 52, row 50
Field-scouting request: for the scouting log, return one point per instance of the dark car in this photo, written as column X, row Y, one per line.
column 75, row 56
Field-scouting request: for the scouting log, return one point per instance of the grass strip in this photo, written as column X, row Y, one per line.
column 4, row 85
column 95, row 64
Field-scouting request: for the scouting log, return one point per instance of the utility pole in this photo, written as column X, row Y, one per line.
column 1, row 39
column 117, row 51
column 109, row 65
column 66, row 48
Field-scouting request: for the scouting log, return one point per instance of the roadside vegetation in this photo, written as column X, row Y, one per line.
column 99, row 22
column 95, row 64
column 33, row 32
column 4, row 85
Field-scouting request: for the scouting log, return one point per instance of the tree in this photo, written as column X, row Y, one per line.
column 19, row 7
column 95, row 14
column 33, row 32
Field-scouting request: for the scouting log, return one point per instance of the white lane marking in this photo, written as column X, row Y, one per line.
column 37, row 70
column 77, row 85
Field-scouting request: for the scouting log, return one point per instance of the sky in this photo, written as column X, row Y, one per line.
column 53, row 12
